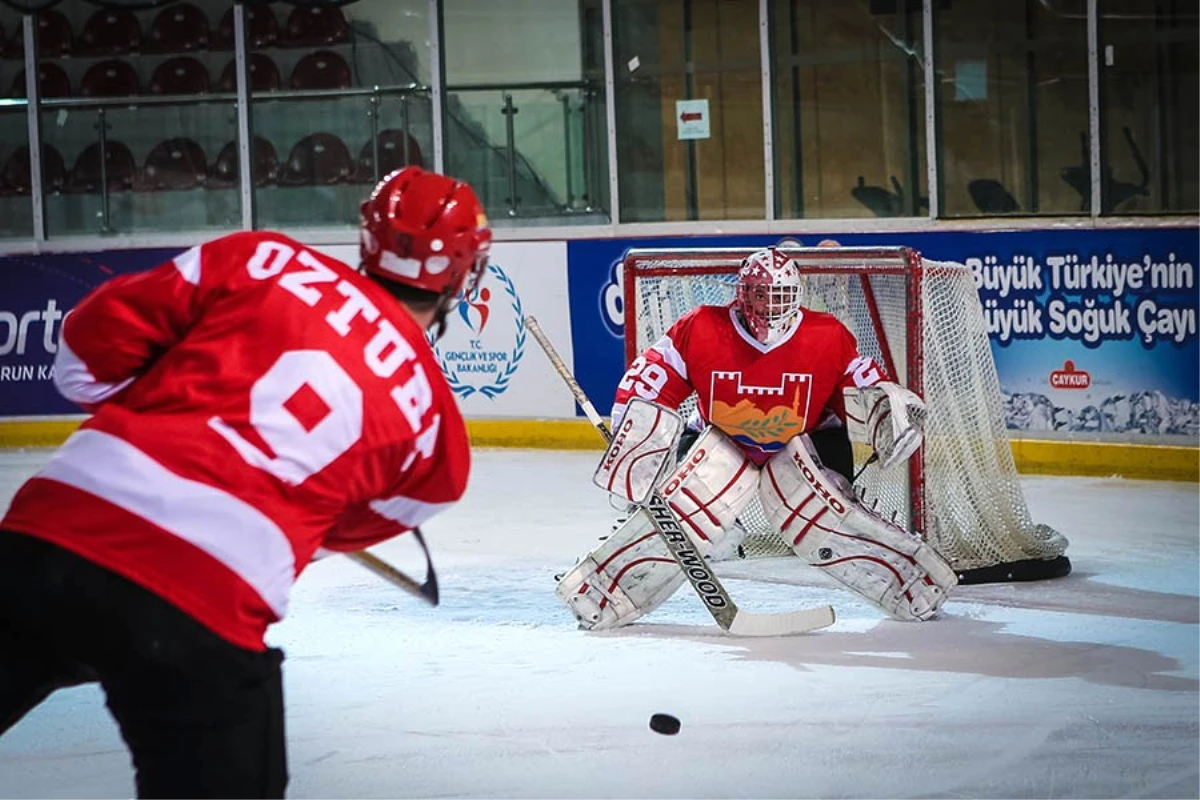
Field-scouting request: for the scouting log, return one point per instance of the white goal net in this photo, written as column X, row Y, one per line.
column 922, row 321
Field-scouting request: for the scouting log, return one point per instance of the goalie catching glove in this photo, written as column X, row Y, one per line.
column 888, row 417
column 816, row 512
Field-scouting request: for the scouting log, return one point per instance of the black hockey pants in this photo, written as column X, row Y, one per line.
column 201, row 716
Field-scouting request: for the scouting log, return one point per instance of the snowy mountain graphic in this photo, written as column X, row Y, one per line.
column 1149, row 412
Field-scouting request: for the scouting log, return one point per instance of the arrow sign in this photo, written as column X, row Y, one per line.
column 693, row 119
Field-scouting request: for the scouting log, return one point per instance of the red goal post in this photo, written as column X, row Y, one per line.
column 922, row 320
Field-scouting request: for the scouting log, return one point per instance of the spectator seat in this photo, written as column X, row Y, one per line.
column 391, row 155
column 110, row 32
column 177, row 28
column 55, row 37
column 264, row 75
column 224, row 173
column 319, row 159
column 16, row 177
column 262, row 29
column 52, row 81
column 120, row 168
column 174, row 164
column 322, row 69
column 314, row 26
column 180, row 75
column 110, row 78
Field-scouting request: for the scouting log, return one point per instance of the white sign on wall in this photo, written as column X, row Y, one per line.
column 692, row 118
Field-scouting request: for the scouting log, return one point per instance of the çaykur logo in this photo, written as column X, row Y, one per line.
column 485, row 338
column 1070, row 377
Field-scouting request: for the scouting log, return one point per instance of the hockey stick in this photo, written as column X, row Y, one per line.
column 427, row 591
column 706, row 584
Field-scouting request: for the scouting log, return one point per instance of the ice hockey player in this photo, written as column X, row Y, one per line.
column 256, row 404
column 776, row 386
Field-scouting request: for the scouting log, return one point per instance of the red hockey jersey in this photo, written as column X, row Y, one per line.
column 254, row 400
column 759, row 395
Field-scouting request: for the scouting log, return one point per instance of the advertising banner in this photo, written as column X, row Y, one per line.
column 484, row 350
column 36, row 292
column 1093, row 331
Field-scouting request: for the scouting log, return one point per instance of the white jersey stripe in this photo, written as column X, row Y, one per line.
column 188, row 265
column 407, row 511
column 228, row 529
column 75, row 381
column 671, row 356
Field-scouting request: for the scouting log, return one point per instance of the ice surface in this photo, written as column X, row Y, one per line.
column 1081, row 687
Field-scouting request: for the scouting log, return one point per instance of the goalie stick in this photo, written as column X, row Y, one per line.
column 725, row 612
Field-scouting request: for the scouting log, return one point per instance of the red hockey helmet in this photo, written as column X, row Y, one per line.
column 427, row 231
column 768, row 294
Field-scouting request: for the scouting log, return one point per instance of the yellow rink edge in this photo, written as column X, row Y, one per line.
column 1032, row 456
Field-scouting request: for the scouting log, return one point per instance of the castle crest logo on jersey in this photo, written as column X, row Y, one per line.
column 485, row 338
column 765, row 416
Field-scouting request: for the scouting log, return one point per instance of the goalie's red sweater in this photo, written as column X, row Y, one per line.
column 254, row 401
column 759, row 395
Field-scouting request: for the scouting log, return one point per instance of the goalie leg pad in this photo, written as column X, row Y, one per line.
column 817, row 513
column 643, row 442
column 708, row 489
column 629, row 575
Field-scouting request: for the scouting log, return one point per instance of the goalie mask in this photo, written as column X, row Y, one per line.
column 768, row 294
column 427, row 231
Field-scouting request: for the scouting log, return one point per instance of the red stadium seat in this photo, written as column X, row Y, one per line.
column 174, row 165
column 110, row 32
column 110, row 78
column 54, row 35
column 262, row 29
column 225, row 169
column 312, row 26
column 180, row 75
column 16, row 177
column 264, row 75
column 391, row 155
column 182, row 26
column 52, row 81
column 318, row 159
column 120, row 168
column 321, row 70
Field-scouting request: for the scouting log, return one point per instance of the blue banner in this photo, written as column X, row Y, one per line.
column 36, row 291
column 1093, row 330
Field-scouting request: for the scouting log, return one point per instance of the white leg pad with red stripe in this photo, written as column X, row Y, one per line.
column 708, row 489
column 643, row 442
column 816, row 512
column 630, row 574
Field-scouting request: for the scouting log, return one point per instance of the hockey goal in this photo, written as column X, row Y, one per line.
column 922, row 320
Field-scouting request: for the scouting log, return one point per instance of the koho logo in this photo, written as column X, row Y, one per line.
column 682, row 474
column 818, row 487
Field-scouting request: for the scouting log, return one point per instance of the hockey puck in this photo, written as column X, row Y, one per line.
column 664, row 724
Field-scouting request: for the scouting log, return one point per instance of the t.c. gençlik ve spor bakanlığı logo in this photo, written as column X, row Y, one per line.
column 476, row 367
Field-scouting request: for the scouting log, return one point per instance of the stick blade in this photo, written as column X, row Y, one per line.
column 810, row 619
